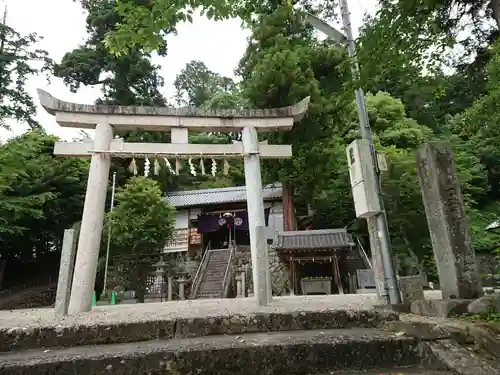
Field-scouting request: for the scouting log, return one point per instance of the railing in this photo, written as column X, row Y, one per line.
column 229, row 271
column 200, row 271
column 363, row 254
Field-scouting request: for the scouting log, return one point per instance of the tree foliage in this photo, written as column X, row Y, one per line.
column 129, row 79
column 196, row 84
column 19, row 60
column 140, row 224
column 40, row 196
column 284, row 64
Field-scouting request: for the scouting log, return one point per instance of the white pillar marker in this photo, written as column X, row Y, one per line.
column 179, row 121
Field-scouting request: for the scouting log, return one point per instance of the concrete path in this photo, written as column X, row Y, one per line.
column 190, row 308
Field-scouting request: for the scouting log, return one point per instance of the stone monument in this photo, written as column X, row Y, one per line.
column 447, row 220
column 109, row 120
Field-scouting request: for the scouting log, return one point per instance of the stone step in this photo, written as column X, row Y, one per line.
column 211, row 292
column 299, row 352
column 109, row 326
column 216, row 287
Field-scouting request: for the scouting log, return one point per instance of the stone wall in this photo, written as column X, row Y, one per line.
column 279, row 269
column 280, row 274
column 32, row 298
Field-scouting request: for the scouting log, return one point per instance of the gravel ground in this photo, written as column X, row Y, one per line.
column 187, row 309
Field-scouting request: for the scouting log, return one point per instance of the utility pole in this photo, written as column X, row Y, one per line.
column 108, row 245
column 364, row 122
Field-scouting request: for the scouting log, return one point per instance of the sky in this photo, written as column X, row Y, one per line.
column 219, row 45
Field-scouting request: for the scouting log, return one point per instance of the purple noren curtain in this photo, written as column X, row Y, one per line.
column 212, row 223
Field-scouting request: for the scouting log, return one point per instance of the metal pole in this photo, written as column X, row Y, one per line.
column 109, row 235
column 381, row 218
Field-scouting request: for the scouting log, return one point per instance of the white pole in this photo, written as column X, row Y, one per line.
column 109, row 235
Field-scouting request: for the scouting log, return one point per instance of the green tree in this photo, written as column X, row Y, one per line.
column 40, row 196
column 282, row 65
column 125, row 80
column 19, row 60
column 196, row 84
column 141, row 224
column 146, row 23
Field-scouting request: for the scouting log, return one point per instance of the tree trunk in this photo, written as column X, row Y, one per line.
column 495, row 5
column 290, row 221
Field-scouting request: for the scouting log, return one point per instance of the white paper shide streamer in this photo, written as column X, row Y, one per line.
column 202, row 167
column 132, row 168
column 147, row 167
column 169, row 166
column 214, row 167
column 192, row 170
column 225, row 170
column 156, row 167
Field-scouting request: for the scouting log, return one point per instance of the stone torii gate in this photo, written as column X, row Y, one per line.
column 107, row 120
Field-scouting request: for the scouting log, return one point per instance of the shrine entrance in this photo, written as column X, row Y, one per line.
column 222, row 228
column 108, row 120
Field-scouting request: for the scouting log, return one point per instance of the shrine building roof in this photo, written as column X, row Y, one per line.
column 235, row 194
column 313, row 239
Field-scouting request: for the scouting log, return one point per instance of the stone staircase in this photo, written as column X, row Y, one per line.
column 211, row 284
column 246, row 343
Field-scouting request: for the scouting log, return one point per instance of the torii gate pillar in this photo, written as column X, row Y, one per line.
column 92, row 223
column 255, row 208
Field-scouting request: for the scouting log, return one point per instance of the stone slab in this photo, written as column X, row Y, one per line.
column 105, row 333
column 299, row 352
column 440, row 307
column 485, row 305
column 485, row 336
column 447, row 222
column 400, row 307
column 65, row 279
column 463, row 361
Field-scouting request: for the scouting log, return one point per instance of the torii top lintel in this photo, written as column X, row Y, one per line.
column 165, row 118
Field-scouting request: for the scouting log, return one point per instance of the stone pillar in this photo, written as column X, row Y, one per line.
column 243, row 284
column 65, row 272
column 170, row 288
column 447, row 220
column 255, row 207
column 377, row 265
column 92, row 221
column 182, row 281
column 411, row 289
column 239, row 293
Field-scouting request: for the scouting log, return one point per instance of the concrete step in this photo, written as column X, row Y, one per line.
column 278, row 353
column 87, row 330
